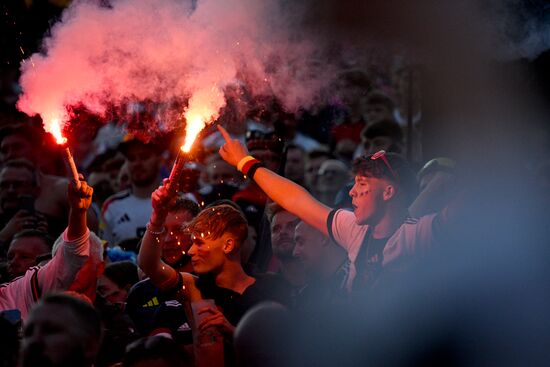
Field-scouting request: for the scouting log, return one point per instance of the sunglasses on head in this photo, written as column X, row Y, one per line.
column 381, row 154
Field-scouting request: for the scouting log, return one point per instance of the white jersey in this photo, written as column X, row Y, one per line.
column 413, row 238
column 124, row 216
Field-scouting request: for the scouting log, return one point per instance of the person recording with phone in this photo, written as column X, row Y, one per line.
column 19, row 188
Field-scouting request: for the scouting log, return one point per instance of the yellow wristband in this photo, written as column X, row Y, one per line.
column 243, row 161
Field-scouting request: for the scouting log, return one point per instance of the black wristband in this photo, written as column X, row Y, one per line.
column 252, row 170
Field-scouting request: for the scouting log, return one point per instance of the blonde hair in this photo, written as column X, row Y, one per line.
column 215, row 221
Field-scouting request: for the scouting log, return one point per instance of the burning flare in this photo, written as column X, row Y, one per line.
column 195, row 124
column 53, row 126
column 203, row 108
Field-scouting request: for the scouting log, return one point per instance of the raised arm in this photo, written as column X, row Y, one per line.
column 150, row 253
column 291, row 196
column 435, row 196
column 80, row 199
column 71, row 251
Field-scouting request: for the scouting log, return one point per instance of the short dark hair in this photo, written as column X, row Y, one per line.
column 44, row 236
column 153, row 348
column 271, row 209
column 216, row 220
column 122, row 273
column 91, row 321
column 316, row 153
column 154, row 145
column 386, row 127
column 404, row 178
column 256, row 139
column 184, row 204
column 294, row 146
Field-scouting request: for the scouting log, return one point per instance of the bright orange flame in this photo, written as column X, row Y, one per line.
column 195, row 123
column 203, row 108
column 53, row 126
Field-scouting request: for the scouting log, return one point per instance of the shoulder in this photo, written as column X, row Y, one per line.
column 421, row 224
column 271, row 287
column 415, row 236
column 344, row 216
column 114, row 199
column 344, row 230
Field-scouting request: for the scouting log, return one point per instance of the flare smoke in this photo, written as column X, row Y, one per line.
column 174, row 52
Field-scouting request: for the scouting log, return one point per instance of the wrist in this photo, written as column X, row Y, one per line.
column 243, row 161
column 251, row 168
column 154, row 229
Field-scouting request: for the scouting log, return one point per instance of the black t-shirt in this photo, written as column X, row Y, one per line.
column 150, row 309
column 268, row 287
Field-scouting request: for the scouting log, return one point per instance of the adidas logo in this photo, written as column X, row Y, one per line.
column 124, row 218
column 152, row 303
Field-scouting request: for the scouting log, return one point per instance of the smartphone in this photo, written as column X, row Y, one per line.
column 26, row 202
column 13, row 316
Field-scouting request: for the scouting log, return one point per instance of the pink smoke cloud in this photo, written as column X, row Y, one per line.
column 169, row 52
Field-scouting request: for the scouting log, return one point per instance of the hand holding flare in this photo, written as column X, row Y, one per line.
column 193, row 129
column 69, row 160
column 177, row 171
column 54, row 128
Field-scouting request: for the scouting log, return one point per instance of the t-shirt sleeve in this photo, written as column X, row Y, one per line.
column 344, row 230
column 61, row 270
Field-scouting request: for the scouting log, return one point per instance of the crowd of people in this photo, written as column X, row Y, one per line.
column 320, row 237
column 145, row 269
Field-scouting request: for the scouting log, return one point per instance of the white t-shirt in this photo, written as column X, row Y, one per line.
column 124, row 216
column 413, row 238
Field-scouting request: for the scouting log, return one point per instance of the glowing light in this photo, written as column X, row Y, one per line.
column 53, row 126
column 204, row 108
column 195, row 123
